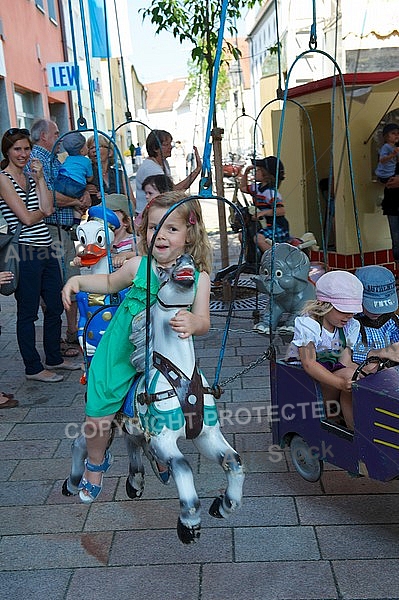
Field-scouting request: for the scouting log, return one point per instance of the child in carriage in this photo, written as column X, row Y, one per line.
column 325, row 335
column 379, row 323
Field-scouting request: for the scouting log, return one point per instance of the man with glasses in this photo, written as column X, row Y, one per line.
column 44, row 135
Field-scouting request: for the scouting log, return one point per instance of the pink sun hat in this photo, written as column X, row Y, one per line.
column 342, row 289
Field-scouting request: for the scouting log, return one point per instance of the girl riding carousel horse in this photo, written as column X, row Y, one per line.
column 111, row 372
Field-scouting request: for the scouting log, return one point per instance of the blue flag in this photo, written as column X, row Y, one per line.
column 98, row 28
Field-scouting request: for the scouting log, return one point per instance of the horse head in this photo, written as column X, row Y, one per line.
column 179, row 290
column 176, row 291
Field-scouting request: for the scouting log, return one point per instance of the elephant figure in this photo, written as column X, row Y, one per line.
column 288, row 286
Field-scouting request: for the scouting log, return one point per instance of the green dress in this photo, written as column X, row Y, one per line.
column 111, row 373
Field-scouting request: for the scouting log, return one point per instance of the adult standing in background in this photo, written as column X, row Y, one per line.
column 113, row 179
column 24, row 199
column 44, row 134
column 159, row 149
column 390, row 208
column 179, row 160
column 138, row 155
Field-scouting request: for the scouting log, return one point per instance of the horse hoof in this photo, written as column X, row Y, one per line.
column 66, row 491
column 132, row 492
column 214, row 510
column 188, row 535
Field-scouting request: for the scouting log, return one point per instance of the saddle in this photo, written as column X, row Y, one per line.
column 189, row 391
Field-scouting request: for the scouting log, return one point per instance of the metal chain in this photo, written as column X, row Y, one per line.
column 267, row 355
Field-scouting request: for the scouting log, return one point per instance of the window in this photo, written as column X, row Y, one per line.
column 26, row 107
column 51, row 10
column 40, row 5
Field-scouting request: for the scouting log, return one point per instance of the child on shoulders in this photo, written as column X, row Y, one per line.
column 76, row 171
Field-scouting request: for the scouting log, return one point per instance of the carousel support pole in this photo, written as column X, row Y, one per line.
column 217, row 134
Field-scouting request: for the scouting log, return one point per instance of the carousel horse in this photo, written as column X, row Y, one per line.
column 291, row 287
column 177, row 404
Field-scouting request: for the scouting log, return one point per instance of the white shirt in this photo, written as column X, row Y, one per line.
column 309, row 330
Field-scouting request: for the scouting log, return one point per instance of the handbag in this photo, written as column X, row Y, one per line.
column 9, row 259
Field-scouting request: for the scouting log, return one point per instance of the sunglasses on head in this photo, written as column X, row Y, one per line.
column 15, row 130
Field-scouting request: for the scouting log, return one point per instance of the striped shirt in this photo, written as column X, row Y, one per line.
column 51, row 166
column 31, row 235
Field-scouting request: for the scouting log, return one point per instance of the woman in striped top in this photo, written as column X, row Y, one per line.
column 26, row 199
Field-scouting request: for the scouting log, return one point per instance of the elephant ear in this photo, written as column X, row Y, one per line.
column 299, row 264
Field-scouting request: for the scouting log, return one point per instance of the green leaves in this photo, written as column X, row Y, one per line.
column 195, row 20
column 198, row 21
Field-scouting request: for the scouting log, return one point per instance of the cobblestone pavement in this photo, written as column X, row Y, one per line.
column 291, row 540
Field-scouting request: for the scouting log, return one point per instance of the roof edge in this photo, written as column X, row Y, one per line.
column 351, row 79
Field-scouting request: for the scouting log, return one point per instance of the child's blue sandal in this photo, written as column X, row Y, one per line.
column 89, row 491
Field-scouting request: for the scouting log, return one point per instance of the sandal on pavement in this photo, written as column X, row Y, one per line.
column 45, row 376
column 9, row 400
column 90, row 491
column 66, row 365
column 68, row 350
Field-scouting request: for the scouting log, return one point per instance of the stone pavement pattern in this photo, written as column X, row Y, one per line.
column 291, row 540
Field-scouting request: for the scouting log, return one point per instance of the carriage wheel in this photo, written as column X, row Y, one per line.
column 308, row 466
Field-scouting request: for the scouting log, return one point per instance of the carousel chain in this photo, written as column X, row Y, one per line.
column 269, row 354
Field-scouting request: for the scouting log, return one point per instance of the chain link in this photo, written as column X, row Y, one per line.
column 267, row 355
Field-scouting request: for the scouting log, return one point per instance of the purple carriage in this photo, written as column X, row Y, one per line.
column 299, row 421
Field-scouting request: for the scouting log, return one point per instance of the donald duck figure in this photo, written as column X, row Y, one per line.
column 95, row 310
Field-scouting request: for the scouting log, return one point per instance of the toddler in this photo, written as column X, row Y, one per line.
column 155, row 185
column 379, row 323
column 152, row 186
column 76, row 171
column 123, row 246
column 388, row 155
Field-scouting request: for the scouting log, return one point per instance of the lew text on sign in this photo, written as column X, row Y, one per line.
column 62, row 76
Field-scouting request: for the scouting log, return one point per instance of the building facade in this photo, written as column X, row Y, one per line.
column 30, row 38
column 360, row 40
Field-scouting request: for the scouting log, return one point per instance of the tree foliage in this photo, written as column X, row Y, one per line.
column 197, row 21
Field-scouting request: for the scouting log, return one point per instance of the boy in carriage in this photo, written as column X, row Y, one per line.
column 379, row 323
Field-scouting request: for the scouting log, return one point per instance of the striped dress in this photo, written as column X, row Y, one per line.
column 31, row 235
